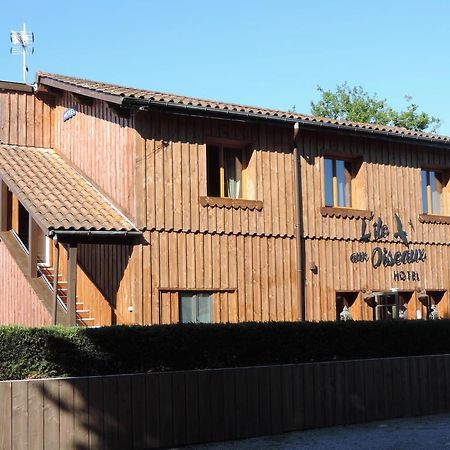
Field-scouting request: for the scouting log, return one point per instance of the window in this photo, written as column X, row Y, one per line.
column 344, row 303
column 433, row 192
column 196, row 307
column 226, row 168
column 338, row 183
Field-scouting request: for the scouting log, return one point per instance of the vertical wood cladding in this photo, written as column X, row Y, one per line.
column 100, row 144
column 25, row 119
column 250, row 277
column 107, row 282
column 153, row 167
column 175, row 152
column 244, row 256
column 19, row 303
column 391, row 175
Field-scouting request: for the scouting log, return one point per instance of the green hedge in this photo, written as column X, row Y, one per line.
column 57, row 351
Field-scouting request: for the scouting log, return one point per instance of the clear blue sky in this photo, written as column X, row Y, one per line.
column 257, row 52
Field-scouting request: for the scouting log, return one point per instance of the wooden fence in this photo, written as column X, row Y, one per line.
column 168, row 409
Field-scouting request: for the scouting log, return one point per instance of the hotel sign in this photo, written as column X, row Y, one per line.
column 383, row 256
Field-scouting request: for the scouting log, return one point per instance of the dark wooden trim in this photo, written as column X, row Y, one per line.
column 185, row 289
column 4, row 210
column 236, row 203
column 120, row 110
column 14, row 86
column 348, row 213
column 433, row 218
column 112, row 98
column 84, row 99
column 72, row 284
column 227, row 142
column 33, row 247
column 20, row 196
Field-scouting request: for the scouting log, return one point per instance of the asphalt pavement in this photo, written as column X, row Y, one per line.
column 429, row 432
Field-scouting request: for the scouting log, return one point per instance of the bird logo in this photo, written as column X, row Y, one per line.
column 401, row 233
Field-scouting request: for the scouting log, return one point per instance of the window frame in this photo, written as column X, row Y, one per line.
column 222, row 145
column 427, row 189
column 196, row 295
column 335, row 182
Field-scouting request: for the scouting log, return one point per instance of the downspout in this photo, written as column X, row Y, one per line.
column 55, row 281
column 299, row 226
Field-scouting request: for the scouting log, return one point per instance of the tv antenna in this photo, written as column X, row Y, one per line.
column 22, row 44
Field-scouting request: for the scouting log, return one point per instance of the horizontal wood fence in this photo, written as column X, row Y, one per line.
column 175, row 408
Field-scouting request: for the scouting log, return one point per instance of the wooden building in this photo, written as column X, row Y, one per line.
column 121, row 205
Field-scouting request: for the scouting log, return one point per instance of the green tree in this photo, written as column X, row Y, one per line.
column 356, row 105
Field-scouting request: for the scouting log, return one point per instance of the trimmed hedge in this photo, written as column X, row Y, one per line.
column 56, row 351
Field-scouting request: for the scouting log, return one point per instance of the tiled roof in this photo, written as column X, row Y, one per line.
column 122, row 92
column 55, row 194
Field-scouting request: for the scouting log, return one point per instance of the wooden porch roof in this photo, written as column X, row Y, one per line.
column 55, row 194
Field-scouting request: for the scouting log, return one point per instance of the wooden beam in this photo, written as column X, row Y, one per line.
column 72, row 284
column 33, row 244
column 3, row 206
column 55, row 283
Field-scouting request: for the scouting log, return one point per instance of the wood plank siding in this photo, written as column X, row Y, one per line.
column 243, row 255
column 25, row 119
column 19, row 303
column 100, row 144
column 154, row 168
column 391, row 183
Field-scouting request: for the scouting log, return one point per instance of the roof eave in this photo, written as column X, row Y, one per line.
column 86, row 92
column 229, row 114
column 205, row 111
column 131, row 237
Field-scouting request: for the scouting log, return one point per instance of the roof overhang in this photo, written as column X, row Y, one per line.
column 214, row 113
column 219, row 113
column 15, row 86
column 78, row 90
column 98, row 237
column 61, row 201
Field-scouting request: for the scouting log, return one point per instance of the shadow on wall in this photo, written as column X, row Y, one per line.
column 89, row 412
column 105, row 266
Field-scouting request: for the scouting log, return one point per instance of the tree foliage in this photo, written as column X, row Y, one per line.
column 356, row 105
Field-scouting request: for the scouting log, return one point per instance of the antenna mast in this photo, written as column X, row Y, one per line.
column 22, row 44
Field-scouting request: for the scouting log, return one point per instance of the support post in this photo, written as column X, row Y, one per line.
column 3, row 206
column 55, row 283
column 299, row 226
column 72, row 284
column 33, row 242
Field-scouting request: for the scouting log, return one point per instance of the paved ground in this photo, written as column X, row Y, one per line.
column 430, row 432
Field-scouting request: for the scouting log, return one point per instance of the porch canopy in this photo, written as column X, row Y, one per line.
column 60, row 200
column 61, row 204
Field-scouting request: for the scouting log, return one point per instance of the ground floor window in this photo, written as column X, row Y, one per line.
column 430, row 304
column 196, row 307
column 344, row 303
column 386, row 306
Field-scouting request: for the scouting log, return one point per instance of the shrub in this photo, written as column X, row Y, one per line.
column 56, row 351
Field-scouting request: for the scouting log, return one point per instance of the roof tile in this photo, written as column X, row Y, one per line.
column 122, row 91
column 57, row 196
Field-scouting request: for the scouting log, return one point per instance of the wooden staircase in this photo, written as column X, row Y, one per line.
column 83, row 316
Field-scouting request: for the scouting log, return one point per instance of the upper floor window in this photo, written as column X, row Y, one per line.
column 338, row 183
column 226, row 170
column 433, row 192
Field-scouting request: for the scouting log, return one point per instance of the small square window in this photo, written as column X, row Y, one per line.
column 196, row 307
column 433, row 192
column 226, row 167
column 338, row 176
